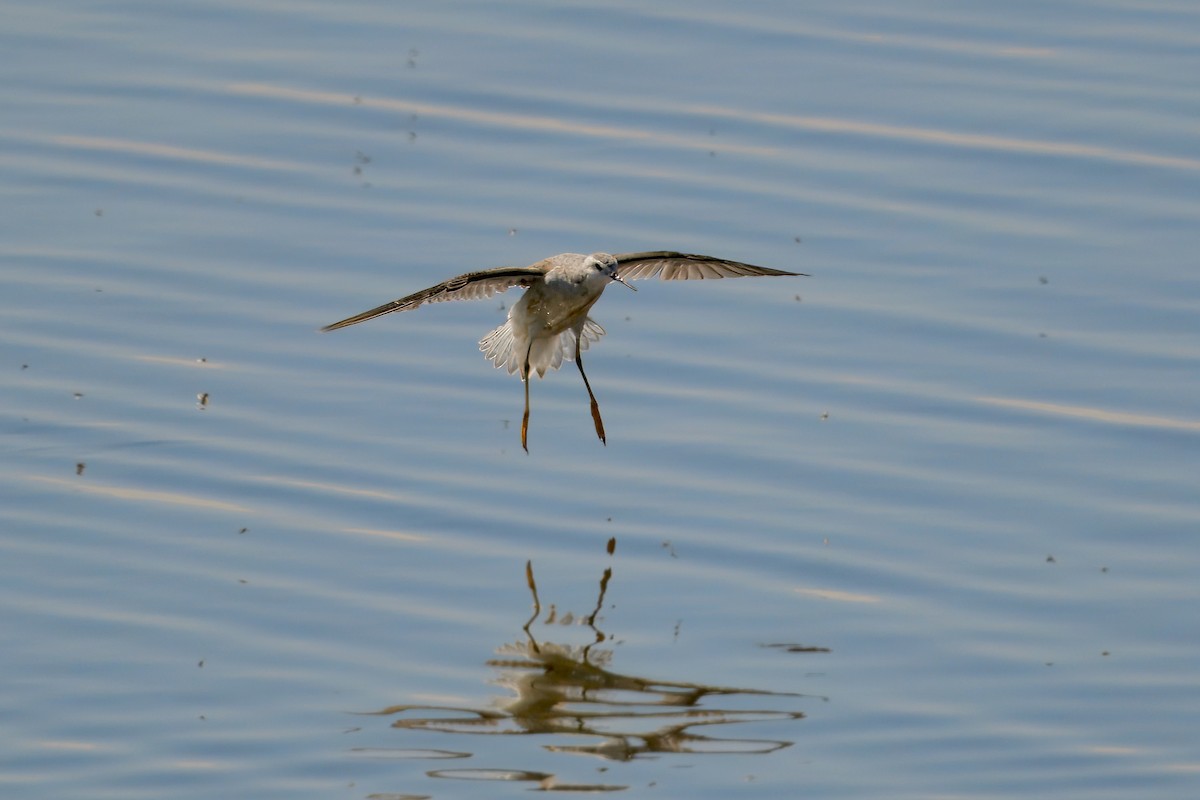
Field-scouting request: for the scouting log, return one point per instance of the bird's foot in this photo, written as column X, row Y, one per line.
column 599, row 423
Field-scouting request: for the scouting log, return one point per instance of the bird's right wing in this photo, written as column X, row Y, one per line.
column 472, row 286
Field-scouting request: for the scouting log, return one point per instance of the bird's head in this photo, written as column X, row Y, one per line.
column 606, row 265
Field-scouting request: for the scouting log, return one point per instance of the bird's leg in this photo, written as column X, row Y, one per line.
column 525, row 380
column 595, row 406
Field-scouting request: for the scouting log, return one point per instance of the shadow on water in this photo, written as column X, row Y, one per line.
column 571, row 693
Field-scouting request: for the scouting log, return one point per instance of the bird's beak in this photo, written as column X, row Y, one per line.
column 617, row 278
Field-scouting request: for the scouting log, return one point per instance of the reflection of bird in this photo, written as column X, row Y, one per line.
column 551, row 318
column 574, row 693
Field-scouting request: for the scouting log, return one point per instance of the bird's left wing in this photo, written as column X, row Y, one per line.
column 472, row 286
column 687, row 266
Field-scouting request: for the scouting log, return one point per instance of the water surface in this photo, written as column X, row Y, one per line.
column 923, row 524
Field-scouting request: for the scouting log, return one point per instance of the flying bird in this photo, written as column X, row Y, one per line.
column 550, row 322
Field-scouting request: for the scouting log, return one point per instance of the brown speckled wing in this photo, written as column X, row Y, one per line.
column 472, row 286
column 672, row 266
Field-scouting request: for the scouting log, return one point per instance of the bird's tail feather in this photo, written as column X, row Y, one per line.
column 507, row 351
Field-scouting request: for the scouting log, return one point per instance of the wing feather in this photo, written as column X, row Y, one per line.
column 472, row 286
column 673, row 266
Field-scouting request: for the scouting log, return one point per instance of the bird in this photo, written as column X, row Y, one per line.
column 550, row 322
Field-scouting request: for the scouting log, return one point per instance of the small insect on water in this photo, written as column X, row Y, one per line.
column 550, row 323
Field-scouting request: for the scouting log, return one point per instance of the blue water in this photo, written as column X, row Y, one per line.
column 923, row 524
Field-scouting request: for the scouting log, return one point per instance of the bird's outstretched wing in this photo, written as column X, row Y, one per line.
column 472, row 286
column 686, row 266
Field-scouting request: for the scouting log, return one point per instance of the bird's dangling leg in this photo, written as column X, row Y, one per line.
column 595, row 406
column 525, row 380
